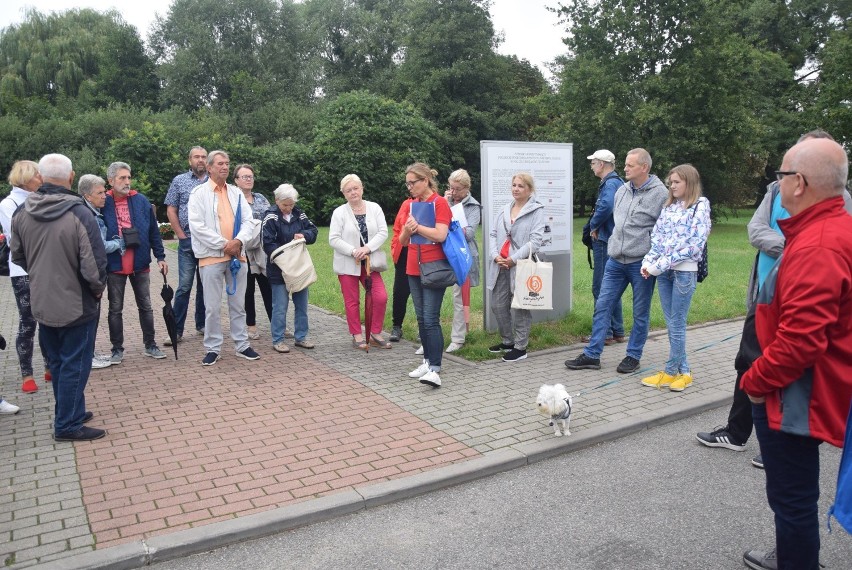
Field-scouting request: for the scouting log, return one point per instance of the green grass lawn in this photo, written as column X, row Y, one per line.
column 720, row 296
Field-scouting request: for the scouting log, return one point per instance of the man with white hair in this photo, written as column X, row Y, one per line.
column 801, row 386
column 128, row 214
column 58, row 243
column 220, row 221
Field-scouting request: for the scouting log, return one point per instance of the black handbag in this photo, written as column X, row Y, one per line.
column 131, row 238
column 4, row 256
column 436, row 274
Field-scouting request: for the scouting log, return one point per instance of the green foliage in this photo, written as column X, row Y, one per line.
column 94, row 57
column 376, row 139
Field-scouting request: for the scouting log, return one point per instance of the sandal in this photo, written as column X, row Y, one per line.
column 359, row 344
column 379, row 342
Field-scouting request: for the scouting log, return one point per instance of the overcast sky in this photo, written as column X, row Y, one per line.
column 529, row 30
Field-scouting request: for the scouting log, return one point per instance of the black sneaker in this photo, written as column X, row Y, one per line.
column 583, row 362
column 82, row 434
column 210, row 359
column 514, row 355
column 720, row 437
column 396, row 334
column 497, row 348
column 250, row 354
column 87, row 417
column 758, row 461
column 628, row 365
column 760, row 560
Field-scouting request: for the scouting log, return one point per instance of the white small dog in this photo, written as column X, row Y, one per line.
column 556, row 403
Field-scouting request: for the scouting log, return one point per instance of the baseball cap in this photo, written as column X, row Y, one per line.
column 603, row 155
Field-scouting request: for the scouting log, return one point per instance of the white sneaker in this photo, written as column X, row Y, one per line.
column 98, row 361
column 421, row 370
column 7, row 408
column 419, row 351
column 431, row 378
column 454, row 347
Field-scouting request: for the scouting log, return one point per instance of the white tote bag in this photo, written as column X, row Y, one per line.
column 533, row 285
column 295, row 264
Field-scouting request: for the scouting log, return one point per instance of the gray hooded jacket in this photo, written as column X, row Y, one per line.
column 59, row 244
column 527, row 235
column 635, row 213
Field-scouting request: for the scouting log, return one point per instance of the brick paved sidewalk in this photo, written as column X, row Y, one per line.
column 190, row 446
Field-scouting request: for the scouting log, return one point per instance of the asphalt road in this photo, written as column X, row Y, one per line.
column 657, row 499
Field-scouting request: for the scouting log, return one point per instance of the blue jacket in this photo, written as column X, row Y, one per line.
column 602, row 219
column 277, row 231
column 141, row 218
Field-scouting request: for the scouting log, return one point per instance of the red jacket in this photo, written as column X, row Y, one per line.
column 401, row 216
column 804, row 325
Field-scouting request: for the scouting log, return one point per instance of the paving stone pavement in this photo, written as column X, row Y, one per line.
column 190, row 446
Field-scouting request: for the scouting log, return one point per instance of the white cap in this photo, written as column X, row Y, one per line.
column 603, row 155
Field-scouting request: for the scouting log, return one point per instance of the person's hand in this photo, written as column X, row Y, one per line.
column 164, row 267
column 644, row 272
column 233, row 247
column 757, row 399
column 298, row 236
column 594, row 234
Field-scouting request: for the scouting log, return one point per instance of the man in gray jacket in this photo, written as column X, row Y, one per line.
column 637, row 206
column 59, row 244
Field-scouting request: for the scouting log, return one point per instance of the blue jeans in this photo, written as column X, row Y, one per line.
column 599, row 258
column 792, row 489
column 427, row 308
column 69, row 350
column 280, row 304
column 676, row 289
column 617, row 276
column 186, row 275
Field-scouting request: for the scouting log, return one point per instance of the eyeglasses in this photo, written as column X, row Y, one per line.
column 411, row 184
column 246, row 177
column 779, row 174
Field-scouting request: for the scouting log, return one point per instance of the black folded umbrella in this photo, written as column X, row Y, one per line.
column 169, row 314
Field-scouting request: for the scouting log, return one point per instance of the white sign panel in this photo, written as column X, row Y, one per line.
column 552, row 169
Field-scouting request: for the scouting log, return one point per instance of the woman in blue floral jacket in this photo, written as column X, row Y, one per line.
column 677, row 244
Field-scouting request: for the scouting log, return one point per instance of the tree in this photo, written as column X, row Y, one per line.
column 376, row 139
column 96, row 57
column 205, row 49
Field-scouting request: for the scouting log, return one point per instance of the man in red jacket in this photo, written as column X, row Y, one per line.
column 801, row 387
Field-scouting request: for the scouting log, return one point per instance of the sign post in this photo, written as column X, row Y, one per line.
column 551, row 166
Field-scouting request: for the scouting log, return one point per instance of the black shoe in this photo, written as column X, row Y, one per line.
column 396, row 334
column 760, row 560
column 250, row 354
column 210, row 359
column 583, row 362
column 87, row 417
column 82, row 434
column 514, row 355
column 497, row 348
column 628, row 365
column 758, row 461
column 720, row 437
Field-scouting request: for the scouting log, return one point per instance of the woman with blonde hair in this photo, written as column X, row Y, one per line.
column 517, row 233
column 458, row 192
column 426, row 247
column 677, row 245
column 357, row 232
column 24, row 179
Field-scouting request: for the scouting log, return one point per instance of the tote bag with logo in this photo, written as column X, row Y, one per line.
column 533, row 285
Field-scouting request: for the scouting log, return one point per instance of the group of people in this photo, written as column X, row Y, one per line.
column 68, row 247
column 645, row 231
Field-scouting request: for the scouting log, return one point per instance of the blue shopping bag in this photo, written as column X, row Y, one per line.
column 457, row 252
column 842, row 507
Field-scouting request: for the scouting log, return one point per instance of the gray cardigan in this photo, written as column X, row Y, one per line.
column 527, row 236
column 635, row 214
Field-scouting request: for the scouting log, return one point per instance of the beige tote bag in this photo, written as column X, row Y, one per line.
column 295, row 264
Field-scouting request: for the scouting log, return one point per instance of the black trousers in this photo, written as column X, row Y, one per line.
column 401, row 292
column 740, row 421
